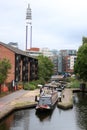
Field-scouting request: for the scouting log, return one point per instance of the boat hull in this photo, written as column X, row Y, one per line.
column 47, row 102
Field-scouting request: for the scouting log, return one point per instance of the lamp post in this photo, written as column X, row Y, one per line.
column 28, row 22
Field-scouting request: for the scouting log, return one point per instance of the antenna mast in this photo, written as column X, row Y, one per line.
column 28, row 22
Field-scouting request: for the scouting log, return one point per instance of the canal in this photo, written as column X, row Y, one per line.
column 28, row 119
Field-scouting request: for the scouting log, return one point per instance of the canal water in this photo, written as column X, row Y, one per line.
column 28, row 119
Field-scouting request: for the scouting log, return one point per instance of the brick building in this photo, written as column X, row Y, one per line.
column 69, row 62
column 66, row 61
column 23, row 67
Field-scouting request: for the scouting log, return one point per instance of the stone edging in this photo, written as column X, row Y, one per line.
column 11, row 108
column 66, row 99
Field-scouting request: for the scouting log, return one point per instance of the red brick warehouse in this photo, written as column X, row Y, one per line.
column 23, row 67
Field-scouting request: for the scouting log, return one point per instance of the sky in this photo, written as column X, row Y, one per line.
column 56, row 24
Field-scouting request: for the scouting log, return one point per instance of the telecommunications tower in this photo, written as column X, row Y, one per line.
column 28, row 24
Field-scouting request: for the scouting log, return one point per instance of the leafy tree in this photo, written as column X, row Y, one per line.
column 80, row 66
column 84, row 40
column 4, row 68
column 45, row 68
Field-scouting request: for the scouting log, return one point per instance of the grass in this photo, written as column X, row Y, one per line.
column 74, row 84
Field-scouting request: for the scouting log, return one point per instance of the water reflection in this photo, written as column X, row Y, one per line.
column 4, row 125
column 21, row 120
column 16, row 121
column 44, row 115
column 81, row 110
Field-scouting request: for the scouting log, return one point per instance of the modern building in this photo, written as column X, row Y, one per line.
column 46, row 52
column 66, row 60
column 55, row 60
column 60, row 64
column 23, row 67
column 69, row 63
column 68, row 52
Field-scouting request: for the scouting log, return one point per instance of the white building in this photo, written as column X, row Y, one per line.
column 72, row 61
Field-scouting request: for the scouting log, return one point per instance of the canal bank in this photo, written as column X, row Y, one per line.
column 18, row 101
column 66, row 101
column 72, row 119
column 27, row 100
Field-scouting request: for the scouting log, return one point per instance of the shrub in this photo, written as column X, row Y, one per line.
column 70, row 79
column 74, row 84
column 42, row 81
column 36, row 82
column 29, row 86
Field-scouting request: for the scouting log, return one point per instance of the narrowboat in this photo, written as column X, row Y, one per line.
column 47, row 101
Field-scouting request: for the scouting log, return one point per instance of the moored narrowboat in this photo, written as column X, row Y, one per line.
column 47, row 101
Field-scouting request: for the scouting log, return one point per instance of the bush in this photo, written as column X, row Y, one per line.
column 29, row 86
column 33, row 84
column 41, row 81
column 36, row 82
column 70, row 79
column 74, row 84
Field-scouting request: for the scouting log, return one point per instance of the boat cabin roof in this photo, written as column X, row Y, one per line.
column 45, row 96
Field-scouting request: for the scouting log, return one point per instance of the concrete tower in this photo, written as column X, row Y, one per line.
column 28, row 24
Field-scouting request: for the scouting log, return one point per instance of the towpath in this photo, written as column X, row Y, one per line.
column 17, row 99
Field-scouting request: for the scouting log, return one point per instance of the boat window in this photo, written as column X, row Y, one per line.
column 45, row 101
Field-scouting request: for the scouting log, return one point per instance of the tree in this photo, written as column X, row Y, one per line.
column 45, row 68
column 80, row 66
column 4, row 68
column 84, row 40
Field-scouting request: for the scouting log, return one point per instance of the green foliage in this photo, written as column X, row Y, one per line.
column 74, row 84
column 80, row 67
column 70, row 79
column 45, row 71
column 45, row 68
column 29, row 86
column 41, row 81
column 84, row 40
column 33, row 84
column 4, row 69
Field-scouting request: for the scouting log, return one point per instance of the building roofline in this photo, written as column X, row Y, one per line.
column 15, row 50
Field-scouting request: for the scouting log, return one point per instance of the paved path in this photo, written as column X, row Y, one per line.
column 7, row 103
column 66, row 99
column 66, row 95
column 9, row 98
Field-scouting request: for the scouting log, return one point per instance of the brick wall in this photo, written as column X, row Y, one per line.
column 8, row 54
